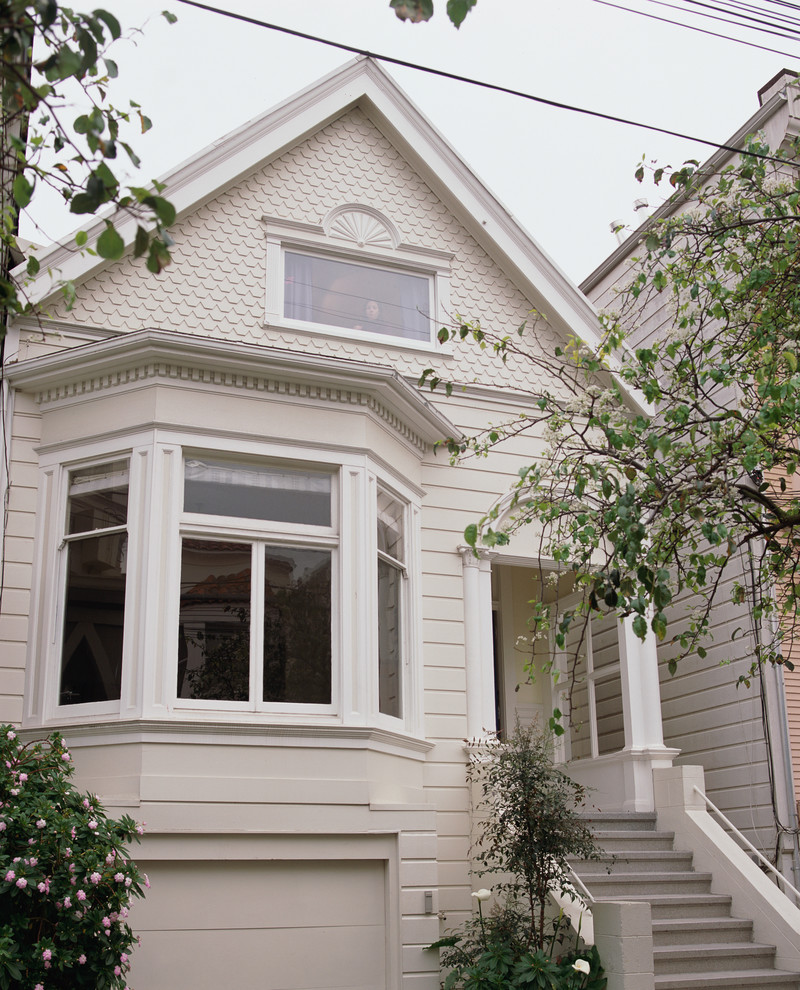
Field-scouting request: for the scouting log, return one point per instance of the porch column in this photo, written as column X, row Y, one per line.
column 478, row 641
column 641, row 712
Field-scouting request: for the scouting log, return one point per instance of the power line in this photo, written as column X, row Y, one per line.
column 555, row 104
column 698, row 30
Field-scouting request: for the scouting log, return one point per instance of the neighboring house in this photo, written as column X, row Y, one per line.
column 234, row 567
column 748, row 741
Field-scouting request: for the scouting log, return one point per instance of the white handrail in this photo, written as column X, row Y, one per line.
column 763, row 859
column 581, row 885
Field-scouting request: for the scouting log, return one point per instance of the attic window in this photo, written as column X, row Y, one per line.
column 353, row 277
column 364, row 298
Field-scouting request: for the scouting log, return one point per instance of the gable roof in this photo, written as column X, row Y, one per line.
column 362, row 83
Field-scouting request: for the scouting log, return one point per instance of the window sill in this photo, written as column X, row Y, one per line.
column 357, row 336
column 234, row 733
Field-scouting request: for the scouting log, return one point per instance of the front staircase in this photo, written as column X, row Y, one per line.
column 696, row 942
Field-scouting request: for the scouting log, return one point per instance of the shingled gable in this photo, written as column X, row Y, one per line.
column 364, row 84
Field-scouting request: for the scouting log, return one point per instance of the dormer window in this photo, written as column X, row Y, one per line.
column 352, row 276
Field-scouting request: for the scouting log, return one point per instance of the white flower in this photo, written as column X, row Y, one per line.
column 482, row 895
column 581, row 966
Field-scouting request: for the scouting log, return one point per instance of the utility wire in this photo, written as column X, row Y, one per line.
column 691, row 27
column 556, row 104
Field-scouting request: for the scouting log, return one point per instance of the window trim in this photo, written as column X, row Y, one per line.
column 283, row 236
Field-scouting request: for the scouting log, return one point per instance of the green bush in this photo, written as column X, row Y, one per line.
column 528, row 824
column 66, row 881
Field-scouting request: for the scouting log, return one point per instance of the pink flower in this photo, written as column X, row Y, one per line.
column 106, row 922
column 3, row 826
column 12, row 735
column 140, row 828
column 65, row 757
column 81, row 960
column 124, row 957
column 92, row 823
column 146, row 880
column 67, row 902
column 119, row 877
column 38, row 987
column 23, row 777
column 40, row 823
column 128, row 882
column 22, row 883
column 47, row 955
column 95, row 878
column 117, row 971
column 10, row 876
column 81, row 895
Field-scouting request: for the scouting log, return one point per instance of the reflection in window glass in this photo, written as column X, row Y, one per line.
column 297, row 626
column 214, row 623
column 357, row 297
column 390, row 575
column 94, row 611
column 94, row 602
column 250, row 491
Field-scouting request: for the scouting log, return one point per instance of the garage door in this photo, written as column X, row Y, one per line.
column 268, row 925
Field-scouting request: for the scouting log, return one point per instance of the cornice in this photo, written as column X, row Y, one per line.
column 153, row 356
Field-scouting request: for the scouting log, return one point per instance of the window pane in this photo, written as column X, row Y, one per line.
column 390, row 526
column 297, row 626
column 389, row 642
column 228, row 488
column 91, row 655
column 358, row 297
column 214, row 622
column 98, row 497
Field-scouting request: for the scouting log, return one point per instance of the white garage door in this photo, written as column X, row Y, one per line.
column 261, row 926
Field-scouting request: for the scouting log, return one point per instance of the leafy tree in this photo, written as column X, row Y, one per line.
column 643, row 508
column 47, row 50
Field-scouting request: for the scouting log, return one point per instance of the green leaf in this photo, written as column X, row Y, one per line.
column 81, row 238
column 32, row 267
column 471, row 534
column 457, row 10
column 640, row 626
column 22, row 190
column 162, row 208
column 111, row 68
column 412, row 10
column 141, row 242
column 109, row 244
column 169, row 17
column 110, row 21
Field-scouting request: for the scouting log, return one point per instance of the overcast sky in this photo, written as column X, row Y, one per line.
column 564, row 175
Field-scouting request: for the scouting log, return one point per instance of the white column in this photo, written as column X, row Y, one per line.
column 641, row 709
column 478, row 641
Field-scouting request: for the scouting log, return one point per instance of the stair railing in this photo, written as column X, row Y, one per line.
column 749, row 845
column 580, row 885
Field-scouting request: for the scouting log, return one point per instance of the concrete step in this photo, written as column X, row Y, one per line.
column 679, row 907
column 619, row 821
column 753, row 979
column 711, row 957
column 614, row 841
column 699, row 931
column 611, row 885
column 635, row 861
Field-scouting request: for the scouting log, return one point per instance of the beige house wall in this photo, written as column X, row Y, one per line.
column 241, row 794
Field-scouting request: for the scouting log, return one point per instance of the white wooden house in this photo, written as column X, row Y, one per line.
column 234, row 566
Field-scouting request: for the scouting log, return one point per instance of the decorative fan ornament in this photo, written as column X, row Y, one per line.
column 365, row 229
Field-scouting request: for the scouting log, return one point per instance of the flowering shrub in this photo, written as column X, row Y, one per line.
column 66, row 881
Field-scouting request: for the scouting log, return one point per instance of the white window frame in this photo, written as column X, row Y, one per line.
column 157, row 525
column 283, row 236
column 260, row 534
